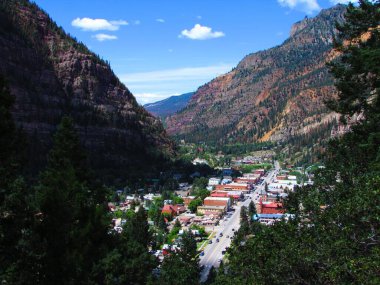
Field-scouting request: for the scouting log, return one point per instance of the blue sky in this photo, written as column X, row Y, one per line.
column 160, row 48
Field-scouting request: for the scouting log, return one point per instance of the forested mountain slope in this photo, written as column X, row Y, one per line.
column 272, row 95
column 52, row 74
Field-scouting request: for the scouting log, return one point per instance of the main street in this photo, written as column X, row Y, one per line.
column 227, row 227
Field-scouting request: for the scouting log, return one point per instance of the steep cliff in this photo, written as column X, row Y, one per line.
column 52, row 74
column 272, row 95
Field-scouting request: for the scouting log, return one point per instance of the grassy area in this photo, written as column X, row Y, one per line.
column 250, row 167
column 201, row 245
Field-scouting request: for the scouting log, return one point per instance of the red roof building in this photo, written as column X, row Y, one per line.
column 217, row 201
column 169, row 209
column 270, row 208
column 219, row 194
column 188, row 199
column 233, row 187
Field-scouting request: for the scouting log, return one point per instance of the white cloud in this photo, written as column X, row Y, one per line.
column 160, row 20
column 200, row 32
column 88, row 24
column 187, row 73
column 307, row 6
column 104, row 37
column 343, row 1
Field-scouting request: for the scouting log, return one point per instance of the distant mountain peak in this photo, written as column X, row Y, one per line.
column 169, row 106
column 272, row 95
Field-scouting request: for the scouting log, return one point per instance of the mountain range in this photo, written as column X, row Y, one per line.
column 273, row 95
column 169, row 106
column 51, row 74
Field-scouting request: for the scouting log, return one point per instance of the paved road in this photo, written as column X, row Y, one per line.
column 213, row 252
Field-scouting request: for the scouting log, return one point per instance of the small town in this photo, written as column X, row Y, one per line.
column 210, row 208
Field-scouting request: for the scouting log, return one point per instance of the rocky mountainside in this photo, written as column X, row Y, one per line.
column 272, row 95
column 169, row 106
column 52, row 74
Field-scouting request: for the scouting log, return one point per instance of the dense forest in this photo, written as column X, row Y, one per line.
column 57, row 229
column 334, row 236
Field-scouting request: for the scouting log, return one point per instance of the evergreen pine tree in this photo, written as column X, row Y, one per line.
column 72, row 228
column 182, row 267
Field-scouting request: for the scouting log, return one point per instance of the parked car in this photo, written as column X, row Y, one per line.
column 221, row 234
column 217, row 240
column 202, row 253
column 210, row 241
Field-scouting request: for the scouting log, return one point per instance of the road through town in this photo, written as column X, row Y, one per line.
column 227, row 227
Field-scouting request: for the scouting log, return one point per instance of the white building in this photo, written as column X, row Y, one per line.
column 214, row 181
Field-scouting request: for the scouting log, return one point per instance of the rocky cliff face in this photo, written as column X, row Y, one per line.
column 276, row 94
column 51, row 74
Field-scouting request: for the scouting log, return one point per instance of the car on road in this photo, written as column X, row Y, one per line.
column 223, row 252
column 217, row 240
column 233, row 230
column 221, row 234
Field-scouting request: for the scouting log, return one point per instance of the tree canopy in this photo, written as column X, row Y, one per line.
column 334, row 235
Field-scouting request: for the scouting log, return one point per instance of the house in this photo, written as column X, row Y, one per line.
column 214, row 181
column 185, row 220
column 187, row 200
column 179, row 209
column 169, row 210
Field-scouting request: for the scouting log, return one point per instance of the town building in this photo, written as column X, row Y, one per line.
column 234, row 187
column 187, row 200
column 217, row 201
column 211, row 210
column 214, row 181
column 270, row 208
column 173, row 210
